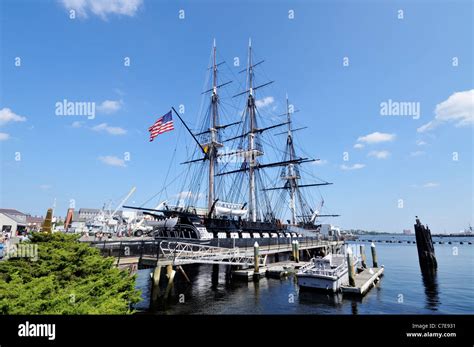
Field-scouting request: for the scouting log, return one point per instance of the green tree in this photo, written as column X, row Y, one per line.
column 68, row 277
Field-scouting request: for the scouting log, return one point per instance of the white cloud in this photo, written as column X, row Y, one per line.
column 45, row 186
column 103, row 8
column 426, row 185
column 110, row 106
column 416, row 153
column 352, row 167
column 267, row 101
column 320, row 162
column 4, row 136
column 458, row 109
column 111, row 130
column 7, row 116
column 420, row 143
column 77, row 124
column 431, row 185
column 426, row 127
column 376, row 137
column 379, row 154
column 112, row 161
column 359, row 146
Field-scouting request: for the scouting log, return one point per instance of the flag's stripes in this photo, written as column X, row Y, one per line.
column 162, row 125
column 163, row 128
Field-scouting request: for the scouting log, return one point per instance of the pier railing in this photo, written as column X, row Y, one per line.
column 151, row 248
column 185, row 253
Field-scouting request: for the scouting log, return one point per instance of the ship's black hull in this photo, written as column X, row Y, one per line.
column 227, row 228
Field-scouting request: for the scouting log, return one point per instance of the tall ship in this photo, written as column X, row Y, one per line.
column 244, row 177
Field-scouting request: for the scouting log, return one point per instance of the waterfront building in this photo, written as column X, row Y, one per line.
column 12, row 221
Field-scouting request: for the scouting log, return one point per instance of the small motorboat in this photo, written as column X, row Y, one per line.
column 327, row 273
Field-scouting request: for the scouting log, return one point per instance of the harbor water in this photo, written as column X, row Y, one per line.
column 402, row 289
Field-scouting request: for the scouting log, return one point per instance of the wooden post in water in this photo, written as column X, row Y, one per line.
column 170, row 274
column 156, row 283
column 180, row 268
column 293, row 250
column 362, row 256
column 350, row 267
column 424, row 244
column 374, row 255
column 297, row 251
column 256, row 252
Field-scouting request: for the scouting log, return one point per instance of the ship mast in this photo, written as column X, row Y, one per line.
column 291, row 174
column 213, row 145
column 211, row 142
column 252, row 162
column 253, row 149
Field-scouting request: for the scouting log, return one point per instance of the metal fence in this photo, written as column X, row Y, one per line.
column 151, row 248
column 123, row 249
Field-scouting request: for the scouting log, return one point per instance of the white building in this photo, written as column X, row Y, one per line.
column 12, row 221
column 329, row 230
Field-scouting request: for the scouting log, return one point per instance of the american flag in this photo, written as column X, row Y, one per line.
column 161, row 126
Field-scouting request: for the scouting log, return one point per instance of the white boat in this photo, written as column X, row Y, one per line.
column 327, row 273
column 229, row 209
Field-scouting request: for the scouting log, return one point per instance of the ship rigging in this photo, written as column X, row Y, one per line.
column 230, row 160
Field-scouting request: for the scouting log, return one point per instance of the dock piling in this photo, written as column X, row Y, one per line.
column 362, row 256
column 180, row 268
column 424, row 245
column 374, row 255
column 255, row 260
column 170, row 274
column 293, row 253
column 169, row 269
column 350, row 265
column 297, row 251
column 156, row 283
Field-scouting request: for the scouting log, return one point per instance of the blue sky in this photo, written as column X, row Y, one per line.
column 82, row 59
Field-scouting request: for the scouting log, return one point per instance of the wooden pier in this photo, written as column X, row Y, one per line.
column 250, row 261
column 364, row 281
column 272, row 270
column 150, row 253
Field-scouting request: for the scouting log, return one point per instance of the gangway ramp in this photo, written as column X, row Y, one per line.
column 181, row 253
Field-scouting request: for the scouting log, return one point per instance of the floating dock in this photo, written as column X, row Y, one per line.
column 364, row 281
column 249, row 274
column 279, row 271
column 284, row 268
column 273, row 270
